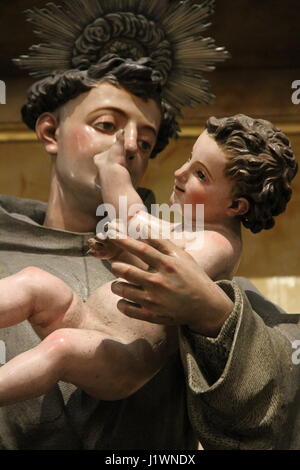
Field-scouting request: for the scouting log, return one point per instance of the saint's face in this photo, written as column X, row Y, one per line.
column 201, row 180
column 87, row 126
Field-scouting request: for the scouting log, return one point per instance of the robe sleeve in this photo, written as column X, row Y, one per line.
column 242, row 385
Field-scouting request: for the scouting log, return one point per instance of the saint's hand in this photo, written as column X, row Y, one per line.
column 173, row 291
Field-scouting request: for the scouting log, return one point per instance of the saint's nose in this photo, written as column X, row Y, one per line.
column 131, row 142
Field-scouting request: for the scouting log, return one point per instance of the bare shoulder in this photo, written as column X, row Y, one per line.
column 219, row 253
column 222, row 241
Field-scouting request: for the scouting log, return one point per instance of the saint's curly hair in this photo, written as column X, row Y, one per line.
column 137, row 77
column 260, row 162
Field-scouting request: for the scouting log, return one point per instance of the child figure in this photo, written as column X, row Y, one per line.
column 240, row 169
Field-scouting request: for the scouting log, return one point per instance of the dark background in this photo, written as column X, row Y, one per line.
column 258, row 33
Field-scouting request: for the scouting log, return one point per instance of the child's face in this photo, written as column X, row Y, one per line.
column 201, row 180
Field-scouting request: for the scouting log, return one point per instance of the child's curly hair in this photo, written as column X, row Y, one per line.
column 261, row 163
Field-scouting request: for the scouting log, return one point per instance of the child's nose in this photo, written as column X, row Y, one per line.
column 181, row 174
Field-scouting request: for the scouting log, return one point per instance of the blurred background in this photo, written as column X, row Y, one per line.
column 264, row 41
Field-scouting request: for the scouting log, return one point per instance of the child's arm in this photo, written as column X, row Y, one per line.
column 115, row 180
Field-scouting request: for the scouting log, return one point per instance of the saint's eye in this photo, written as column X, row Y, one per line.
column 201, row 175
column 106, row 126
column 145, row 146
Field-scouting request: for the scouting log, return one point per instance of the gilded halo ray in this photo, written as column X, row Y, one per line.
column 79, row 33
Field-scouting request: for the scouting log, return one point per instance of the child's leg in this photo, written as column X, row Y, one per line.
column 43, row 299
column 94, row 361
column 110, row 357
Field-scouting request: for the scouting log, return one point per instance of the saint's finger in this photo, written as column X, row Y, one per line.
column 133, row 310
column 130, row 273
column 142, row 250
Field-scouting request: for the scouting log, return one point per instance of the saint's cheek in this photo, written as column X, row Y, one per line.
column 84, row 143
column 75, row 160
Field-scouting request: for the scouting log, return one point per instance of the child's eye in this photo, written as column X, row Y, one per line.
column 201, row 175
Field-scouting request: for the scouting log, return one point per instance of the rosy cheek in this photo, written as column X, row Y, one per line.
column 197, row 196
column 79, row 142
column 83, row 141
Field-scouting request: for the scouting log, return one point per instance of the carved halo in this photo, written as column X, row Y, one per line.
column 79, row 32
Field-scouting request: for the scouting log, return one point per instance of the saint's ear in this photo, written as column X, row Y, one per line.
column 239, row 206
column 46, row 127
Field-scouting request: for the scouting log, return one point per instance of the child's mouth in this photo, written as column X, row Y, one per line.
column 179, row 189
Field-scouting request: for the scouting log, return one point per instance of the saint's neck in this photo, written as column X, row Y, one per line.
column 67, row 211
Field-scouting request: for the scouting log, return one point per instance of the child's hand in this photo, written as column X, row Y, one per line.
column 103, row 249
column 116, row 153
